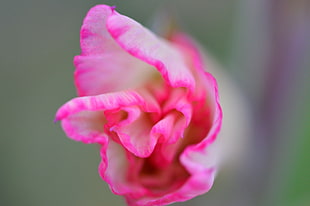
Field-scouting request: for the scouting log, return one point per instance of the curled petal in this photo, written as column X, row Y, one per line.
column 135, row 133
column 102, row 61
column 170, row 128
column 193, row 187
column 86, row 126
column 114, row 161
column 127, row 114
column 143, row 44
column 178, row 112
column 100, row 102
column 83, row 118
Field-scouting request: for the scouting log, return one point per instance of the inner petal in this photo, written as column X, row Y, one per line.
column 162, row 172
column 133, row 127
column 159, row 177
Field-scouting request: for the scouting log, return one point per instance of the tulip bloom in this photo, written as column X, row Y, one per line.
column 150, row 104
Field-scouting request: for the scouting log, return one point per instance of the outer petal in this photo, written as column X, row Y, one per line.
column 207, row 85
column 102, row 61
column 202, row 157
column 143, row 44
column 195, row 185
column 83, row 118
column 114, row 169
column 89, row 119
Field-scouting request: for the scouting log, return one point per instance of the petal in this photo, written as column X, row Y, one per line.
column 193, row 55
column 96, row 75
column 102, row 61
column 86, row 126
column 114, row 168
column 194, row 156
column 134, row 133
column 127, row 114
column 173, row 125
column 168, row 128
column 94, row 37
column 100, row 102
column 143, row 44
column 83, row 117
column 195, row 185
column 178, row 110
column 190, row 50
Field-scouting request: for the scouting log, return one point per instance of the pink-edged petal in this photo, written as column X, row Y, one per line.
column 190, row 51
column 114, row 168
column 134, row 133
column 100, row 102
column 101, row 74
column 86, row 126
column 216, row 113
column 171, row 127
column 168, row 128
column 102, row 61
column 178, row 110
column 203, row 148
column 198, row 63
column 95, row 39
column 143, row 44
column 83, row 117
column 196, row 185
column 127, row 114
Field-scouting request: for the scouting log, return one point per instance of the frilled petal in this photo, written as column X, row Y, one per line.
column 84, row 118
column 134, row 133
column 178, row 110
column 202, row 157
column 102, row 63
column 114, row 169
column 196, row 185
column 142, row 44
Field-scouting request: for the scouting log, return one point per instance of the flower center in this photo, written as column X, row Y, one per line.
column 162, row 171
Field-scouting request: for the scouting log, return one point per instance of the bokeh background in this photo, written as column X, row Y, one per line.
column 264, row 45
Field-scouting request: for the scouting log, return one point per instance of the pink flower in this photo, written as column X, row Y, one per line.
column 149, row 104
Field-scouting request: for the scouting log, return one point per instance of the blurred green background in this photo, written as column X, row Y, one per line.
column 263, row 44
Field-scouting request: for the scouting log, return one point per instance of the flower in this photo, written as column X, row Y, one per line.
column 150, row 105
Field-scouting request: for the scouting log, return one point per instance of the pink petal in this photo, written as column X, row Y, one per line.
column 114, row 169
column 86, row 126
column 178, row 112
column 83, row 117
column 134, row 134
column 94, row 37
column 190, row 50
column 128, row 114
column 195, row 185
column 207, row 88
column 102, row 61
column 143, row 44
